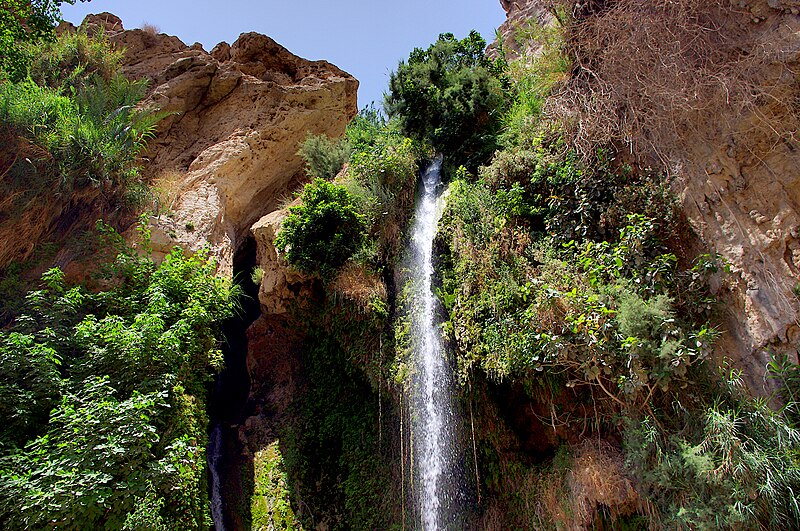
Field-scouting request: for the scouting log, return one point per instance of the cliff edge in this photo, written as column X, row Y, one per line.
column 732, row 156
column 227, row 150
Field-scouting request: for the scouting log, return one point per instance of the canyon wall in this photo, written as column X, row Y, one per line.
column 227, row 150
column 736, row 172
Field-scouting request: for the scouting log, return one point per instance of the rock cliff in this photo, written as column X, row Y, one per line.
column 737, row 176
column 228, row 148
column 521, row 15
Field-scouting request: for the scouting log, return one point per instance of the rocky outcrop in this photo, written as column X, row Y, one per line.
column 737, row 175
column 740, row 188
column 521, row 15
column 235, row 118
column 281, row 285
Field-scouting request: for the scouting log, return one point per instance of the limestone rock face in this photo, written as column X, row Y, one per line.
column 740, row 189
column 739, row 185
column 520, row 15
column 281, row 285
column 236, row 118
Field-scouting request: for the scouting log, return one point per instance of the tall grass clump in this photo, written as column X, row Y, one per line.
column 94, row 137
column 78, row 107
column 324, row 156
column 70, row 61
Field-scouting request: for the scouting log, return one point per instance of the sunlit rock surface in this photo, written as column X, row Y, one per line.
column 236, row 116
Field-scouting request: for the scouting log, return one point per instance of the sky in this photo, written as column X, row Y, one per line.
column 366, row 39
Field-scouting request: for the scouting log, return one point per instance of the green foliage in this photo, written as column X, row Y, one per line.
column 362, row 215
column 334, row 456
column 382, row 177
column 256, row 275
column 72, row 61
column 731, row 464
column 320, row 234
column 82, row 471
column 25, row 22
column 533, row 77
column 94, row 138
column 566, row 321
column 271, row 508
column 324, row 156
column 450, row 96
column 787, row 374
column 104, row 396
column 366, row 127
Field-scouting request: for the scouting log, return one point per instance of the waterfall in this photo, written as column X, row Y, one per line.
column 432, row 411
column 227, row 404
column 214, row 457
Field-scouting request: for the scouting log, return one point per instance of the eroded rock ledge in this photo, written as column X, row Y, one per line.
column 229, row 146
column 738, row 182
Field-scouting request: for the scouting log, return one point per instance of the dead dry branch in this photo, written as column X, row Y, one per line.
column 657, row 75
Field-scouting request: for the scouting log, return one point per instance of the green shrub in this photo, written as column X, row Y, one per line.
column 70, row 62
column 324, row 156
column 366, row 127
column 324, row 231
column 450, row 96
column 382, row 176
column 103, row 394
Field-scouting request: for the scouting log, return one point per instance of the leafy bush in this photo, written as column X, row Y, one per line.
column 366, row 127
column 450, row 96
column 104, row 396
column 82, row 117
column 320, row 234
column 70, row 62
column 24, row 22
column 324, row 156
column 382, row 176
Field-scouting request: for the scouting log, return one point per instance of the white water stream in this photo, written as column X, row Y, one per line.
column 432, row 413
column 214, row 456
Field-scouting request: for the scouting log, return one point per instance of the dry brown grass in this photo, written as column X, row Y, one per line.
column 25, row 220
column 355, row 284
column 166, row 188
column 596, row 479
column 653, row 75
column 152, row 29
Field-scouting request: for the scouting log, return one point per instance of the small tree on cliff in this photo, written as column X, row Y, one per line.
column 22, row 22
column 450, row 95
column 324, row 231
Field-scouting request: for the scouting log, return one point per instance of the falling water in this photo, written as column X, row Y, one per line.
column 214, row 457
column 227, row 404
column 432, row 409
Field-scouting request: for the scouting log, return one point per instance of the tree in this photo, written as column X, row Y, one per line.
column 23, row 22
column 102, row 395
column 324, row 231
column 450, row 95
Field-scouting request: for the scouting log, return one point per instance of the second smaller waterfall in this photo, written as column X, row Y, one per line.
column 214, row 456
